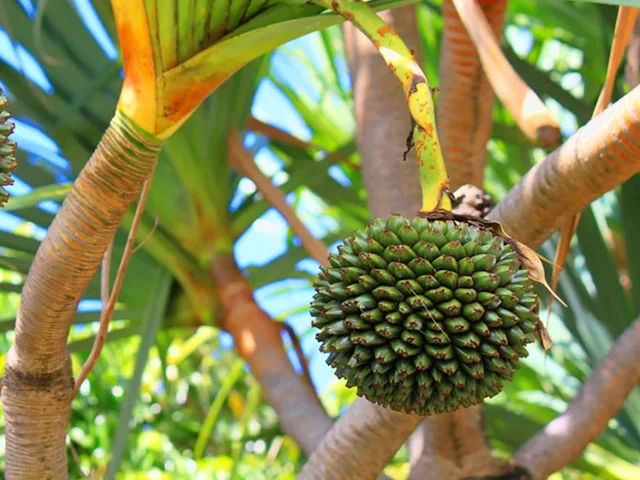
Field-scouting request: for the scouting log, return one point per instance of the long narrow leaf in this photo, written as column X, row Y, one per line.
column 212, row 415
column 152, row 320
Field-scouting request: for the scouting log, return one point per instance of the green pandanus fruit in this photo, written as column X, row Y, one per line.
column 7, row 149
column 425, row 316
column 433, row 314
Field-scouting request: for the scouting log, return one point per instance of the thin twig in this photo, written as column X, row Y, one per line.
column 149, row 235
column 295, row 341
column 107, row 312
column 105, row 276
column 242, row 161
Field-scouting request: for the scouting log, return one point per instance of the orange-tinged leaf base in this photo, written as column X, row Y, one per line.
column 138, row 96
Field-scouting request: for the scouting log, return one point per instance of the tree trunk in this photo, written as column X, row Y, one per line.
column 38, row 381
column 258, row 340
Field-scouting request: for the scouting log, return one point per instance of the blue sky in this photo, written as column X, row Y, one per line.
column 266, row 239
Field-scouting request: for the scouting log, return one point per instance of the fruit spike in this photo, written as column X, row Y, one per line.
column 437, row 311
column 7, row 149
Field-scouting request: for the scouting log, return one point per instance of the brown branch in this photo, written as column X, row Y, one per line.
column 599, row 399
column 465, row 106
column 242, row 161
column 597, row 158
column 361, row 452
column 278, row 135
column 529, row 112
column 105, row 276
column 107, row 310
column 258, row 340
column 156, row 220
column 431, row 448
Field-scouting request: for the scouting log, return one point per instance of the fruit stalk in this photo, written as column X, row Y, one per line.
column 434, row 180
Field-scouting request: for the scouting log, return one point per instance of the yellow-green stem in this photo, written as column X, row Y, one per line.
column 434, row 180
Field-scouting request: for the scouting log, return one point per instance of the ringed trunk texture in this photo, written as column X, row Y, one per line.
column 258, row 340
column 38, row 381
column 597, row 158
column 453, row 446
column 380, row 433
column 465, row 100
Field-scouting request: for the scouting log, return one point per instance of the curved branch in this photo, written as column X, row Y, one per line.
column 454, row 445
column 37, row 386
column 597, row 158
column 242, row 161
column 295, row 343
column 599, row 399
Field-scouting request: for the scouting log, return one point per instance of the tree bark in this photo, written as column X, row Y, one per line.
column 360, row 453
column 465, row 99
column 37, row 386
column 454, row 445
column 258, row 340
